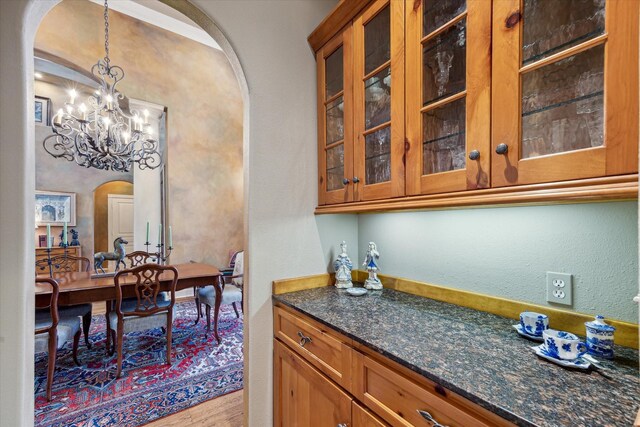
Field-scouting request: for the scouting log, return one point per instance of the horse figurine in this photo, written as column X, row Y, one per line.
column 117, row 255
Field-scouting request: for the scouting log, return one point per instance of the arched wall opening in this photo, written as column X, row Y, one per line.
column 17, row 403
column 269, row 38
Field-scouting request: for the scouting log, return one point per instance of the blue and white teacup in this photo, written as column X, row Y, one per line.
column 563, row 345
column 534, row 323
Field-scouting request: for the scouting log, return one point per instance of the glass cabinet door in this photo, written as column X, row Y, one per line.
column 335, row 130
column 448, row 72
column 379, row 101
column 565, row 97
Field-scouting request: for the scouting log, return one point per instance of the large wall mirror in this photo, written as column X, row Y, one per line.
column 108, row 204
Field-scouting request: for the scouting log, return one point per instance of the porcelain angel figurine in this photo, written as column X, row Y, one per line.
column 343, row 266
column 370, row 261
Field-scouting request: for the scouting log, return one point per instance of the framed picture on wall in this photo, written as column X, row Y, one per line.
column 55, row 208
column 43, row 111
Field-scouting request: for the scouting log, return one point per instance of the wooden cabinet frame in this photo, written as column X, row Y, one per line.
column 395, row 186
column 477, row 100
column 345, row 194
column 493, row 113
column 619, row 154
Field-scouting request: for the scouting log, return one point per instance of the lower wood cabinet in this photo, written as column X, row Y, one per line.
column 303, row 396
column 322, row 378
column 361, row 417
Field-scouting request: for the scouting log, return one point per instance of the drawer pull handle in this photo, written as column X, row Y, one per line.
column 427, row 416
column 303, row 340
column 342, row 425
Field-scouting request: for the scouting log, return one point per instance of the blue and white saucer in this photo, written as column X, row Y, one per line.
column 579, row 363
column 518, row 328
column 356, row 292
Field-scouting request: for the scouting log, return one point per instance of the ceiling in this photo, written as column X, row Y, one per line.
column 159, row 14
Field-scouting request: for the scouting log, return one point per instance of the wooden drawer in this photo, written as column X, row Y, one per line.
column 397, row 399
column 323, row 348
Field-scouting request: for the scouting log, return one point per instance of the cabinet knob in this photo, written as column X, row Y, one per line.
column 342, row 425
column 345, row 181
column 303, row 339
column 427, row 416
column 356, row 180
column 502, row 149
column 474, row 155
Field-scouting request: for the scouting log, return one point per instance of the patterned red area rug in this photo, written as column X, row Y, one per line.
column 90, row 395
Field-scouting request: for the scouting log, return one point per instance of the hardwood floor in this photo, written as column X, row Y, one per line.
column 225, row 411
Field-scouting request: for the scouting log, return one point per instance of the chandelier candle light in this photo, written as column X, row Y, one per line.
column 99, row 134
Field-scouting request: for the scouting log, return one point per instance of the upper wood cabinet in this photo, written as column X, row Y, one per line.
column 334, row 63
column 448, row 77
column 440, row 103
column 565, row 97
column 378, row 91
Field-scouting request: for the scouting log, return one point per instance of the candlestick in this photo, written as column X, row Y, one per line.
column 170, row 238
column 147, row 233
column 64, row 233
column 57, row 120
column 48, row 236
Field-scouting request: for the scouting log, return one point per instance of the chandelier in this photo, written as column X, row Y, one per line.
column 98, row 134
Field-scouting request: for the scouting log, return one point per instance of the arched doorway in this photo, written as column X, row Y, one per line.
column 17, row 344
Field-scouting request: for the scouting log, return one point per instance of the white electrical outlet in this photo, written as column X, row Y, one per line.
column 559, row 288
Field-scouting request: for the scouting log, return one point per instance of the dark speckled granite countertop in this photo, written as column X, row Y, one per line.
column 479, row 356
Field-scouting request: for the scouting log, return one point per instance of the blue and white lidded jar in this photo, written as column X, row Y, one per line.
column 600, row 338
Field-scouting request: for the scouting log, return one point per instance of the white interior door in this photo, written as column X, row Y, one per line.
column 121, row 220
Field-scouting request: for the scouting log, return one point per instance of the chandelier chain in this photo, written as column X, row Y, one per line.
column 106, row 32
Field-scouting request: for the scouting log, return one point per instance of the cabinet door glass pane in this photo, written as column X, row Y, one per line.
column 335, row 167
column 563, row 105
column 333, row 73
column 439, row 12
column 554, row 25
column 444, row 64
column 377, row 41
column 335, row 121
column 378, row 99
column 378, row 156
column 444, row 145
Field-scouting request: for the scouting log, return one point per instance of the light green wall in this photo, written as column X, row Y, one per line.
column 507, row 251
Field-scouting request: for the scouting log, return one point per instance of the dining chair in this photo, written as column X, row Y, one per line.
column 67, row 264
column 231, row 292
column 147, row 310
column 137, row 258
column 52, row 331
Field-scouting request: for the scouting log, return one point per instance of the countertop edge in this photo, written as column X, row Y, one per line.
column 507, row 415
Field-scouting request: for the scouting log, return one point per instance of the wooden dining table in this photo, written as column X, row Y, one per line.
column 82, row 288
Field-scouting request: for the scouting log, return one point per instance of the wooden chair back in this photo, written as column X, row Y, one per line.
column 64, row 263
column 147, row 288
column 52, row 304
column 137, row 258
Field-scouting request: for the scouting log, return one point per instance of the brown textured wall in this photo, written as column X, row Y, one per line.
column 204, row 129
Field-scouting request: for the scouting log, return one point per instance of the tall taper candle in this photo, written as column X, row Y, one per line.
column 160, row 234
column 48, row 236
column 147, row 232
column 170, row 238
column 64, row 233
